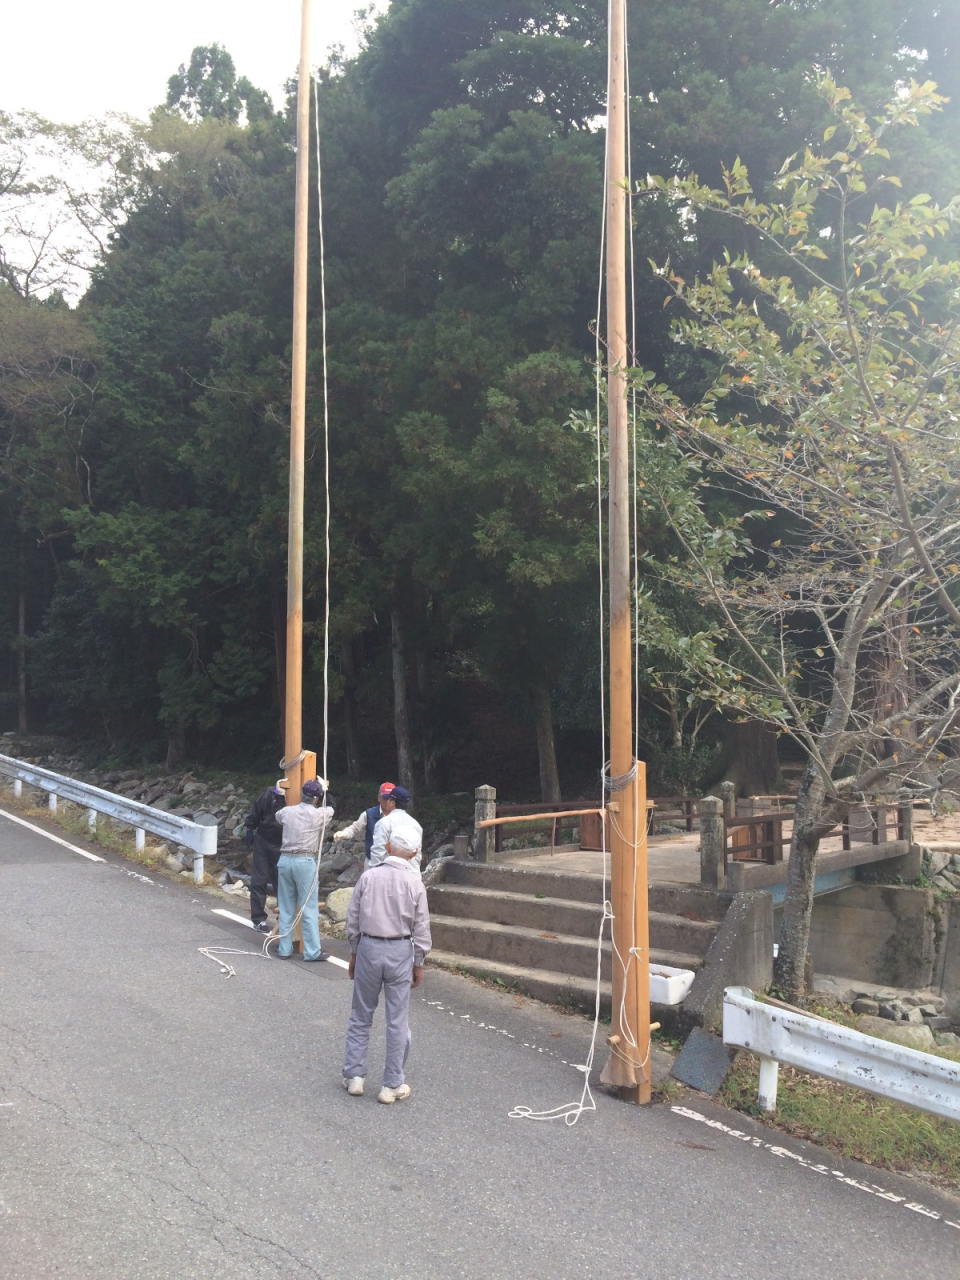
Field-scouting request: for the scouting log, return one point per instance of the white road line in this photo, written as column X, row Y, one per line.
column 94, row 857
column 231, row 915
column 870, row 1189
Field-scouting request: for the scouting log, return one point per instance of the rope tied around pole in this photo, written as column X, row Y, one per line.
column 621, row 781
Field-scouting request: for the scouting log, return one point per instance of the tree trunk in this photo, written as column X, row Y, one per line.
column 22, row 662
column 546, row 748
column 791, row 963
column 429, row 754
column 751, row 759
column 676, row 729
column 350, row 713
column 175, row 748
column 401, row 704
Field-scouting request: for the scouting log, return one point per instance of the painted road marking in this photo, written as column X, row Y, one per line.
column 231, row 915
column 219, row 911
column 94, row 857
column 870, row 1189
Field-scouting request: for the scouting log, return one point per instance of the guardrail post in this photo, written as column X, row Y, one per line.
column 198, row 868
column 485, row 809
column 52, row 801
column 17, row 788
column 140, row 839
column 92, row 821
column 767, row 1090
column 713, row 844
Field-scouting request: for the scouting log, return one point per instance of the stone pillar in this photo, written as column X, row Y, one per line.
column 485, row 808
column 906, row 811
column 713, row 839
column 728, row 791
column 461, row 848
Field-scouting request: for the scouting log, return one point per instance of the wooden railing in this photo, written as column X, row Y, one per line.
column 679, row 809
column 672, row 809
column 759, row 838
column 875, row 820
column 554, row 826
column 755, row 839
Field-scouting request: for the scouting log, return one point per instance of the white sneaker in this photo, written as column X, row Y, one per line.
column 353, row 1086
column 394, row 1095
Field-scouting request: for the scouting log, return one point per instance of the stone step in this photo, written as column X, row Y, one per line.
column 562, row 915
column 689, row 901
column 538, row 949
column 526, row 880
column 542, row 984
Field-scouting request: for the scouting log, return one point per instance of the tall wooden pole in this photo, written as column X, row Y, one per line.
column 629, row 1063
column 293, row 702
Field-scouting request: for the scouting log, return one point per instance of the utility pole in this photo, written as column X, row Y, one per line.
column 629, row 1064
column 298, row 765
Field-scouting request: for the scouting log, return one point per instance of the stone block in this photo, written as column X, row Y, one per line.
column 936, row 861
column 337, row 903
column 866, row 1006
column 937, row 1022
column 915, row 1037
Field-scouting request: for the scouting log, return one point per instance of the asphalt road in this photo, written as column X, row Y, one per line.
column 161, row 1122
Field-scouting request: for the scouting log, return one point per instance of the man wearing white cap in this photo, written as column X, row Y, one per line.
column 397, row 825
column 388, row 928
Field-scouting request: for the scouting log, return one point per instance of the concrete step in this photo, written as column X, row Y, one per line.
column 688, row 901
column 538, row 949
column 526, row 880
column 562, row 915
column 542, row 984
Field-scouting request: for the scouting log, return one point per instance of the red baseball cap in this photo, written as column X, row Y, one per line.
column 387, row 788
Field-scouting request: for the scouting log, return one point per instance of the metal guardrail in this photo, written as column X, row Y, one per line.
column 778, row 1035
column 169, row 826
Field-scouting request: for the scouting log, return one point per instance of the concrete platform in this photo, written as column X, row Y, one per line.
column 673, row 859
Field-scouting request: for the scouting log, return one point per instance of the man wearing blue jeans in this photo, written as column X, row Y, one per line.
column 388, row 927
column 303, row 825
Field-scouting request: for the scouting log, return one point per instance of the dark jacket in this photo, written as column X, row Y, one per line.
column 262, row 817
column 374, row 815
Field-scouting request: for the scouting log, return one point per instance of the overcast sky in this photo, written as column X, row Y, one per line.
column 69, row 61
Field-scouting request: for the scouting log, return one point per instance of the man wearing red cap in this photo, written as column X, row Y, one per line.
column 400, row 828
column 364, row 826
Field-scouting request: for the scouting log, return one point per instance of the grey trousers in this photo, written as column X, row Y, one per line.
column 386, row 965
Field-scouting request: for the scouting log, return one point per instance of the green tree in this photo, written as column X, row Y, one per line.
column 208, row 88
column 835, row 403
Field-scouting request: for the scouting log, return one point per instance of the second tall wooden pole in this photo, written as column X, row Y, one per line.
column 629, row 1063
column 293, row 703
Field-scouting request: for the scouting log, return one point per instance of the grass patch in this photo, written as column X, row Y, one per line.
column 876, row 1131
column 108, row 834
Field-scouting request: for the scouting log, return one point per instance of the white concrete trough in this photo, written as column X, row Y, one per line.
column 838, row 1053
column 669, row 985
